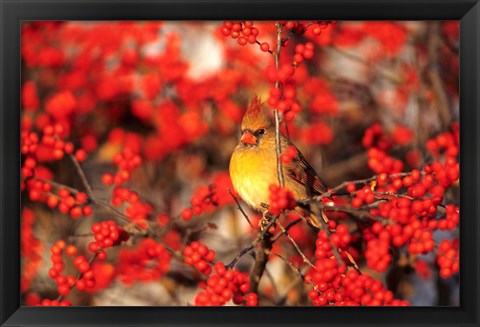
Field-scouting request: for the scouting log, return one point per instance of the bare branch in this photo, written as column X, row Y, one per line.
column 304, row 257
column 239, row 207
column 84, row 179
column 249, row 248
column 434, row 42
column 278, row 148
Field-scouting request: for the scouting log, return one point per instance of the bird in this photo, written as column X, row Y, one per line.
column 253, row 164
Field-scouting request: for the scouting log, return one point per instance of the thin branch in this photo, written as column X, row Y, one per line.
column 119, row 214
column 239, row 207
column 79, row 275
column 344, row 184
column 259, row 43
column 261, row 260
column 266, row 242
column 291, row 224
column 381, row 72
column 272, row 281
column 304, row 257
column 299, row 273
column 434, row 43
column 84, row 179
column 278, row 148
column 249, row 248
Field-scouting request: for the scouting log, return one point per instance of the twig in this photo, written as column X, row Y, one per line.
column 239, row 207
column 275, row 111
column 353, row 211
column 344, row 184
column 119, row 214
column 84, row 179
column 272, row 281
column 304, row 257
column 314, row 207
column 251, row 246
column 79, row 275
column 266, row 242
column 261, row 260
column 57, row 185
column 291, row 224
column 299, row 273
column 356, row 58
column 434, row 42
column 259, row 43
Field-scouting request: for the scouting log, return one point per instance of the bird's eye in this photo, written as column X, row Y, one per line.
column 261, row 131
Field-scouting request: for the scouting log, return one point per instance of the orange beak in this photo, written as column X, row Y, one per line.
column 248, row 138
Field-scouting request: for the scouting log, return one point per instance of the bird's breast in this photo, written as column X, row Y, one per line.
column 252, row 171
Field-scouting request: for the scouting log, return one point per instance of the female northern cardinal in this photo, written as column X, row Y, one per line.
column 253, row 166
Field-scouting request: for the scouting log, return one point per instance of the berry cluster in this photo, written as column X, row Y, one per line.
column 302, row 52
column 225, row 285
column 50, row 147
column 316, row 27
column 127, row 161
column 137, row 210
column 244, row 32
column 319, row 26
column 295, row 26
column 448, row 258
column 377, row 251
column 204, row 200
column 107, row 234
column 199, row 256
column 31, row 249
column 280, row 199
column 341, row 237
column 446, row 143
column 74, row 203
column 289, row 154
column 362, row 196
column 148, row 261
column 86, row 279
column 54, row 303
column 378, row 143
column 284, row 99
column 380, row 162
column 452, row 218
column 334, row 285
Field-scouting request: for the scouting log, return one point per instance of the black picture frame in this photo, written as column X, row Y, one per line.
column 13, row 12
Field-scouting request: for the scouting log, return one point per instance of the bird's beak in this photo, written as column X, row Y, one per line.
column 248, row 138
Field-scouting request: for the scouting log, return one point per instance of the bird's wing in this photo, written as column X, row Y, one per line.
column 301, row 171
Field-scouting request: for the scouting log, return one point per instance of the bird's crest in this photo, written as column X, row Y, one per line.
column 255, row 118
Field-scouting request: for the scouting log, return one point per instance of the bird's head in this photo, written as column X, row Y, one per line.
column 256, row 126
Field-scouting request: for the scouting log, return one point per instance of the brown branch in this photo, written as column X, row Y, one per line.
column 299, row 273
column 84, row 179
column 239, row 207
column 118, row 213
column 304, row 257
column 261, row 260
column 249, row 248
column 79, row 275
column 278, row 148
column 434, row 42
column 344, row 184
column 381, row 72
column 259, row 43
column 356, row 212
column 291, row 224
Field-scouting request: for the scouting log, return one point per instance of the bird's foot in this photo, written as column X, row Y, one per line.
column 265, row 221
